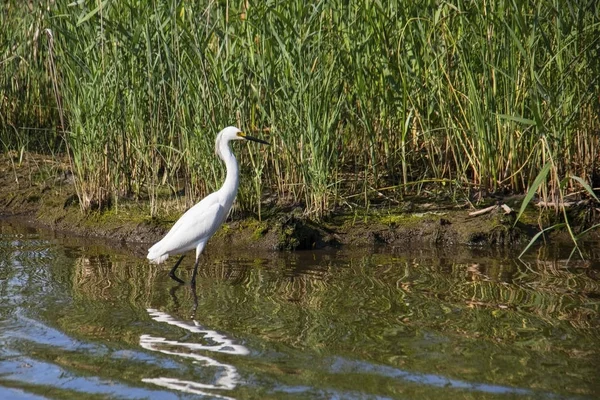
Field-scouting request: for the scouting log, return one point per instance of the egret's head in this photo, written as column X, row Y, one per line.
column 229, row 133
column 233, row 133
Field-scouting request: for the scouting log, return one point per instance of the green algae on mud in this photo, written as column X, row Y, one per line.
column 43, row 191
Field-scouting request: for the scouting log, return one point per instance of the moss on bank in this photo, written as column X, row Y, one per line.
column 44, row 194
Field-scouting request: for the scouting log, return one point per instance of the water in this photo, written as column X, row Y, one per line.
column 82, row 319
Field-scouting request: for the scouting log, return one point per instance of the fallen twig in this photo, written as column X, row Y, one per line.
column 565, row 204
column 483, row 211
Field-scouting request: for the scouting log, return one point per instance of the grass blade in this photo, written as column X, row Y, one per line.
column 537, row 235
column 585, row 185
column 541, row 177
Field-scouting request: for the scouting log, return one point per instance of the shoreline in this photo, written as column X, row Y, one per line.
column 51, row 202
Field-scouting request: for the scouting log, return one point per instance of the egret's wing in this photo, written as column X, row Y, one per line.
column 198, row 223
column 195, row 213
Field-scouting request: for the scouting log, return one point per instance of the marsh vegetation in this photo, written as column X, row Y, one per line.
column 362, row 101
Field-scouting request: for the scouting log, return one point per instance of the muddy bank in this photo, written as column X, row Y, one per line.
column 39, row 190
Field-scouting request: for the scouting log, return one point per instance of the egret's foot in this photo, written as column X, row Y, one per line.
column 172, row 272
column 175, row 278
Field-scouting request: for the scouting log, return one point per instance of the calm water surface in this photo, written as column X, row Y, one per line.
column 80, row 319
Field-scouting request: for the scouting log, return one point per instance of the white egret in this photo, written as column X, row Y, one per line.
column 199, row 223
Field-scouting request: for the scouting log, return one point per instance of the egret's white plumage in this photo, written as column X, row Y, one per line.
column 200, row 222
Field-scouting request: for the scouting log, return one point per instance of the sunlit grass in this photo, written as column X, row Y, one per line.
column 355, row 97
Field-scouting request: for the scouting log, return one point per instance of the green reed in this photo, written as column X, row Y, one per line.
column 27, row 115
column 357, row 98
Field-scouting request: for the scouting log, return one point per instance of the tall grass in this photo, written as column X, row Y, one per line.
column 357, row 98
column 27, row 114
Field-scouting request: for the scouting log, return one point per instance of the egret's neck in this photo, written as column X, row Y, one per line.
column 230, row 186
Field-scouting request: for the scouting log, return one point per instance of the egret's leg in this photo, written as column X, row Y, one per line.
column 199, row 249
column 193, row 281
column 172, row 273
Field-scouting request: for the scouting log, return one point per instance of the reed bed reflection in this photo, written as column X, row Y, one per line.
column 501, row 292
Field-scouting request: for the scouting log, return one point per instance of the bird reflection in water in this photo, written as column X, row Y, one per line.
column 173, row 293
column 227, row 375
